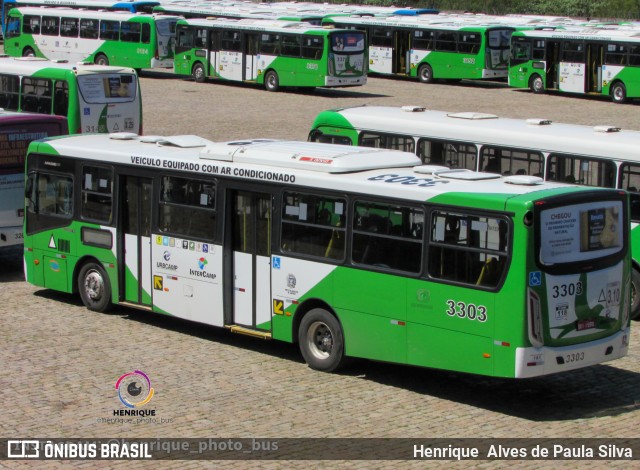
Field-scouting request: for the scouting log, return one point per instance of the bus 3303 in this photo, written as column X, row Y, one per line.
column 604, row 156
column 346, row 251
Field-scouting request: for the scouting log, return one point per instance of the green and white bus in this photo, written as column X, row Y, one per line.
column 93, row 98
column 347, row 251
column 274, row 54
column 133, row 40
column 428, row 49
column 603, row 156
column 596, row 61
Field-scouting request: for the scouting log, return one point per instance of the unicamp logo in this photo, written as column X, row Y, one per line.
column 134, row 389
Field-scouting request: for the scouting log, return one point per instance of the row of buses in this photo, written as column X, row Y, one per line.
column 264, row 45
column 401, row 256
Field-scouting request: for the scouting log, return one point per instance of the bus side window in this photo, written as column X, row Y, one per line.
column 468, row 248
column 630, row 181
column 9, row 92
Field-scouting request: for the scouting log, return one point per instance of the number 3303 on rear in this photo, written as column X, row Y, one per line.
column 465, row 310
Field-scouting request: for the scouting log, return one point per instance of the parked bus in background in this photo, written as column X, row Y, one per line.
column 603, row 156
column 342, row 250
column 93, row 98
column 427, row 49
column 17, row 130
column 594, row 61
column 132, row 6
column 105, row 38
column 274, row 54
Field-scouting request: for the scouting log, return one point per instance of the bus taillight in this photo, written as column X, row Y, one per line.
column 535, row 319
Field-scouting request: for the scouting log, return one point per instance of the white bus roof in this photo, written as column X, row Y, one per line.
column 255, row 24
column 68, row 12
column 537, row 134
column 591, row 33
column 327, row 166
column 31, row 65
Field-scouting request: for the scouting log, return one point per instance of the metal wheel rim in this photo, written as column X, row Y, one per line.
column 618, row 93
column 425, row 75
column 93, row 285
column 537, row 84
column 271, row 80
column 198, row 73
column 320, row 340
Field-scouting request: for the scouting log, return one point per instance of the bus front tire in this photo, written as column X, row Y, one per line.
column 198, row 73
column 321, row 340
column 94, row 287
column 425, row 73
column 271, row 81
column 28, row 52
column 618, row 92
column 635, row 294
column 101, row 59
column 536, row 84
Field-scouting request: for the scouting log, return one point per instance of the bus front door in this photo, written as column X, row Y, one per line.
column 251, row 56
column 249, row 233
column 401, row 52
column 595, row 59
column 135, row 269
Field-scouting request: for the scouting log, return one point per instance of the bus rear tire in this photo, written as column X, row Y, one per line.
column 101, row 59
column 425, row 73
column 321, row 340
column 271, row 81
column 635, row 294
column 198, row 73
column 536, row 84
column 94, row 287
column 28, row 52
column 618, row 92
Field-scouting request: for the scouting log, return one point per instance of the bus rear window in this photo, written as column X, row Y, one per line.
column 581, row 232
column 348, row 42
column 101, row 88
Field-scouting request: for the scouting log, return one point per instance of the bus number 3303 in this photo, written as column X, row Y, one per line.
column 465, row 310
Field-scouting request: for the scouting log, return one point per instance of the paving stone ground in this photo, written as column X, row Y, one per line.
column 59, row 361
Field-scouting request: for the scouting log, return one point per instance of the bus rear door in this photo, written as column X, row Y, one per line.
column 251, row 56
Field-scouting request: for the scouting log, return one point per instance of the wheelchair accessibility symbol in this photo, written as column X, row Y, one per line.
column 535, row 278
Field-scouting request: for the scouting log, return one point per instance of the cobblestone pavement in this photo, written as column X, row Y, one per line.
column 60, row 361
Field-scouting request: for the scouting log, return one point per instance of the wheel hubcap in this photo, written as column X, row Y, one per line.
column 320, row 340
column 93, row 285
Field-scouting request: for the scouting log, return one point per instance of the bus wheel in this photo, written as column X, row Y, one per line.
column 101, row 59
column 425, row 73
column 271, row 81
column 635, row 295
column 536, row 85
column 198, row 73
column 28, row 52
column 94, row 287
column 321, row 340
column 618, row 92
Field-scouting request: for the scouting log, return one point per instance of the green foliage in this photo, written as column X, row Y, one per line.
column 610, row 9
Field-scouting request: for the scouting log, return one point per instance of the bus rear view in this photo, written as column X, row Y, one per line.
column 16, row 131
column 578, row 278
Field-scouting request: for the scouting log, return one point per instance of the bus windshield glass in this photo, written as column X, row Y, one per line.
column 581, row 232
column 101, row 88
column 348, row 42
